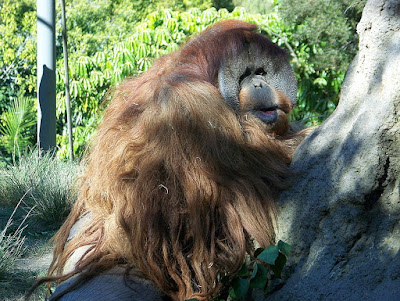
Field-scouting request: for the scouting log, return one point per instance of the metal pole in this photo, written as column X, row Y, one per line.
column 66, row 80
column 46, row 74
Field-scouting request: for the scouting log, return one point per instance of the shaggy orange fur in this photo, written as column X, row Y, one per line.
column 177, row 182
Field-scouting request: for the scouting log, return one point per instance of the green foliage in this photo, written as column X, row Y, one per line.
column 17, row 76
column 326, row 26
column 227, row 4
column 45, row 183
column 111, row 40
column 318, row 95
column 89, row 33
column 200, row 4
column 322, row 38
column 253, row 274
column 17, row 125
column 264, row 7
column 320, row 63
column 17, row 49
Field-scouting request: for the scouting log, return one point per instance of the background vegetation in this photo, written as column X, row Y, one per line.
column 110, row 40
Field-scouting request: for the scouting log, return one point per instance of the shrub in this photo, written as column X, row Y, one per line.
column 17, row 125
column 47, row 183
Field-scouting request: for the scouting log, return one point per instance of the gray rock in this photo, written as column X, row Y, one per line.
column 342, row 213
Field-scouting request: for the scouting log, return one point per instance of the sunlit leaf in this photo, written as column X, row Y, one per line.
column 320, row 81
column 142, row 51
column 172, row 24
column 209, row 15
column 162, row 36
column 284, row 248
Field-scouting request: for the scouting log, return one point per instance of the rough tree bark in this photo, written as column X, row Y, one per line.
column 342, row 214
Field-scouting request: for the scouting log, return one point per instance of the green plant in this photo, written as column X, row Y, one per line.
column 17, row 50
column 324, row 43
column 328, row 27
column 16, row 126
column 264, row 7
column 254, row 274
column 46, row 183
column 11, row 244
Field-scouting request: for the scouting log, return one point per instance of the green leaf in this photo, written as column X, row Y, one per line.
column 15, row 122
column 260, row 278
column 209, row 15
column 142, row 51
column 172, row 24
column 99, row 57
column 223, row 13
column 255, row 270
column 239, row 288
column 284, row 248
column 277, row 268
column 269, row 255
column 144, row 35
column 244, row 271
column 320, row 81
column 161, row 36
column 144, row 64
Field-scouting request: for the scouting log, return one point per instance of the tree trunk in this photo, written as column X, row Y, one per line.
column 342, row 213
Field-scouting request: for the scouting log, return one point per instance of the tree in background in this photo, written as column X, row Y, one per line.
column 98, row 24
column 328, row 26
column 17, row 50
column 17, row 77
column 257, row 6
column 323, row 34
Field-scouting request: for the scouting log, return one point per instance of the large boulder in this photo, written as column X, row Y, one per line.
column 342, row 212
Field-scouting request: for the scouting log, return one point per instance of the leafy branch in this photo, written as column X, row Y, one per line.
column 254, row 273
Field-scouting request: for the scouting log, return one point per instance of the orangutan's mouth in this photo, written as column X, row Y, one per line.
column 267, row 115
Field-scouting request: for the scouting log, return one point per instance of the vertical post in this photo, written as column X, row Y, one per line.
column 46, row 74
column 66, row 80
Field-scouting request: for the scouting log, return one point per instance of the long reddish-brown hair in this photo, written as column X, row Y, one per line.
column 177, row 183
